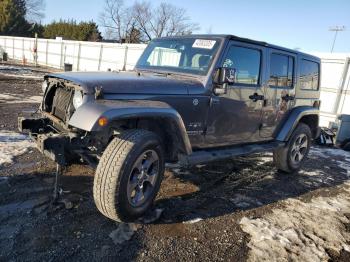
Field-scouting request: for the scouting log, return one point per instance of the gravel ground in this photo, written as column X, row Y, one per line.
column 237, row 210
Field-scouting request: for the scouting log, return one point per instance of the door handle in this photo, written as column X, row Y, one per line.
column 288, row 98
column 255, row 97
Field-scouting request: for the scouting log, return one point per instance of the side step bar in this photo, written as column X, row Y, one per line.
column 205, row 156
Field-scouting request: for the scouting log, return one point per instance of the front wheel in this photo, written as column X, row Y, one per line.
column 128, row 175
column 291, row 157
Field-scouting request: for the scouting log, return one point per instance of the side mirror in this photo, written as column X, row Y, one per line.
column 223, row 76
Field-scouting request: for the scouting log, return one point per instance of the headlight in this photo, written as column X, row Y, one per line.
column 77, row 99
column 44, row 86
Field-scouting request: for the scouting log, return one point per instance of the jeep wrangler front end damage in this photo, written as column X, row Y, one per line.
column 53, row 135
column 58, row 146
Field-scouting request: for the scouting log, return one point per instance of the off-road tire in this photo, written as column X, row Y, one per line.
column 113, row 170
column 282, row 156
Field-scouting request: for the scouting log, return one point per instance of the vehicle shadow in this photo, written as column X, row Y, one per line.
column 245, row 183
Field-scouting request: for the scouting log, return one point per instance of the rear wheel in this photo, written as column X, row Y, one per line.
column 292, row 156
column 128, row 175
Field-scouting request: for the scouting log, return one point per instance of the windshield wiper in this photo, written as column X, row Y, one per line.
column 166, row 74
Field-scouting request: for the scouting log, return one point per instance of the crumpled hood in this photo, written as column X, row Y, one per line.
column 130, row 83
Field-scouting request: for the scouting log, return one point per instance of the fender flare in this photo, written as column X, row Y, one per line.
column 86, row 117
column 291, row 120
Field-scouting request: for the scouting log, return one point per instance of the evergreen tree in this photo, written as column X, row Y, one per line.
column 89, row 31
column 70, row 30
column 12, row 18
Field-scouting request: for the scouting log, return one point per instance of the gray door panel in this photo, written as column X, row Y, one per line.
column 235, row 117
column 279, row 91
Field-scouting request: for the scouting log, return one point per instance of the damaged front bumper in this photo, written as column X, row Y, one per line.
column 55, row 146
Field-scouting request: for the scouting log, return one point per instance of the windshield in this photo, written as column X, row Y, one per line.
column 184, row 55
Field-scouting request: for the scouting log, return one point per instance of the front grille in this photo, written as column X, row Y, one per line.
column 61, row 102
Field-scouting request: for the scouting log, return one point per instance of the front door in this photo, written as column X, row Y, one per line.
column 235, row 117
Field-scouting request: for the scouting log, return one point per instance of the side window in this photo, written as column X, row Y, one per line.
column 246, row 62
column 281, row 70
column 309, row 75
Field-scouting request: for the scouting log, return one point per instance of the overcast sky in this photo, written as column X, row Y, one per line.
column 300, row 24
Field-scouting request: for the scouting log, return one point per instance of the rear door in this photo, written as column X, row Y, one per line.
column 235, row 117
column 279, row 89
column 308, row 90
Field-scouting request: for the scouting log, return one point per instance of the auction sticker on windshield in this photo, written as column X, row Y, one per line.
column 203, row 43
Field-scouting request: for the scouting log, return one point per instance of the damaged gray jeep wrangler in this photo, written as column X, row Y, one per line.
column 189, row 100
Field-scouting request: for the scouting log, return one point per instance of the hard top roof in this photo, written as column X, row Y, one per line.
column 246, row 40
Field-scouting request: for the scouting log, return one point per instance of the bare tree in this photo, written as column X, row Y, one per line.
column 164, row 20
column 142, row 22
column 35, row 10
column 143, row 15
column 118, row 20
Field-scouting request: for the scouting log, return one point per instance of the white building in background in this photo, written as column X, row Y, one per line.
column 335, row 86
column 94, row 56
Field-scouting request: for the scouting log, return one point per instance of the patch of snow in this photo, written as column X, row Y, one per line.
column 331, row 153
column 345, row 165
column 13, row 144
column 264, row 160
column 14, row 68
column 245, row 201
column 310, row 173
column 327, row 152
column 269, row 176
column 300, row 231
column 24, row 76
column 20, row 72
column 123, row 233
column 192, row 221
column 246, row 170
column 19, row 98
column 36, row 99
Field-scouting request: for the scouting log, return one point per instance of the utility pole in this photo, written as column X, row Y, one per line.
column 35, row 49
column 336, row 29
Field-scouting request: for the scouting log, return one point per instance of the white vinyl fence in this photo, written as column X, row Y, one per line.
column 84, row 56
column 95, row 56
